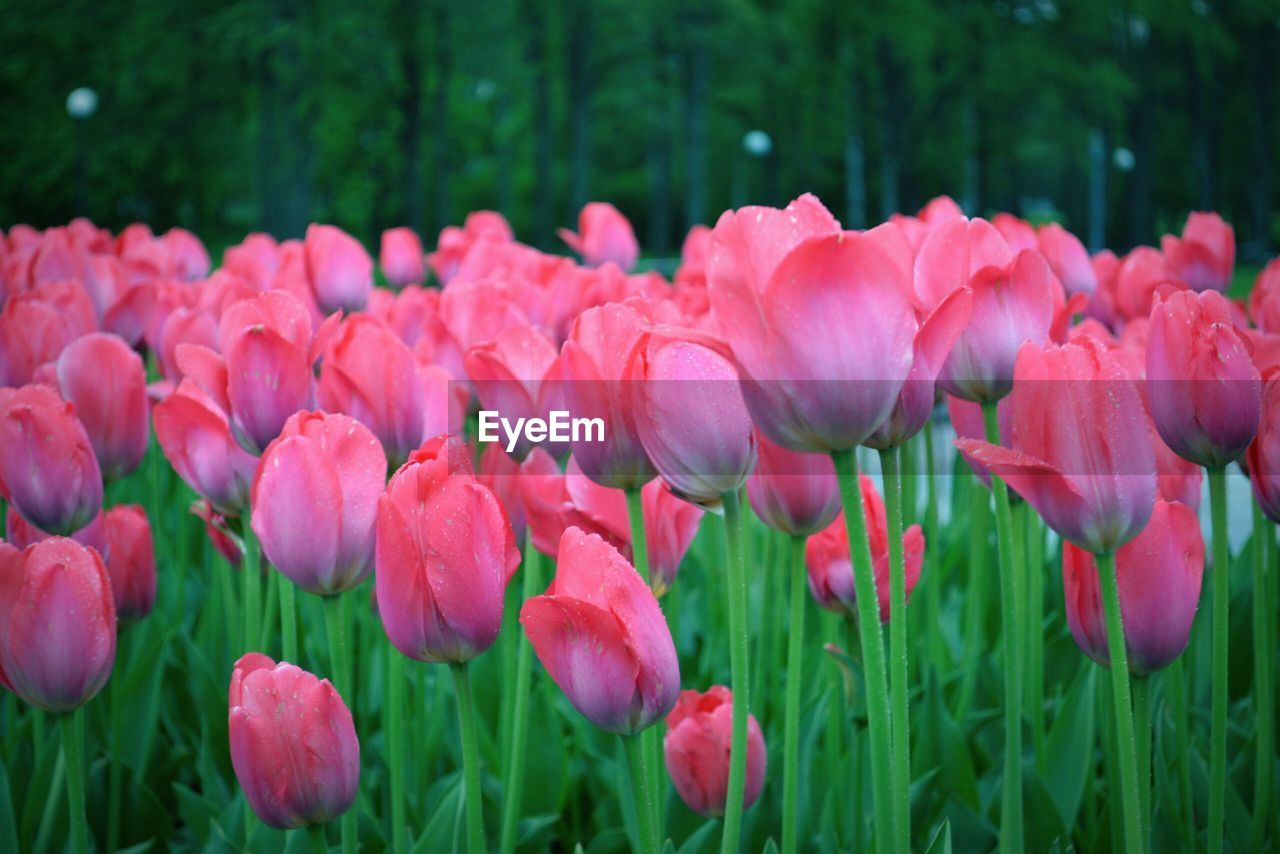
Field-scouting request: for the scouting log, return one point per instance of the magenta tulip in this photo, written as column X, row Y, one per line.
column 516, row 374
column 131, row 560
column 555, row 502
column 338, row 267
column 696, row 748
column 1205, row 256
column 793, row 491
column 604, row 235
column 1068, row 259
column 670, row 524
column 107, row 382
column 196, row 439
column 1263, row 456
column 401, row 257
column 22, row 533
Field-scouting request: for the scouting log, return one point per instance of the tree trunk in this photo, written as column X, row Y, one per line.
column 697, row 77
column 579, row 70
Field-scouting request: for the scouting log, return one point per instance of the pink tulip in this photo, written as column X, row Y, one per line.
column 314, row 500
column 599, row 632
column 1264, row 299
column 792, row 491
column 1158, row 574
column 218, row 532
column 293, row 743
column 196, row 439
column 22, row 533
column 1017, row 232
column 604, row 235
column 107, row 382
column 1068, row 259
column 830, row 565
column 696, row 748
column 131, row 563
column 1205, row 256
column 339, row 269
column 670, row 524
column 37, row 325
column 401, row 257
column 555, row 502
column 445, row 554
column 1080, row 448
column 48, row 471
column 1263, row 456
column 184, row 326
column 1204, row 389
column 504, row 478
column 1137, row 278
column 516, row 374
column 968, row 422
column 57, row 623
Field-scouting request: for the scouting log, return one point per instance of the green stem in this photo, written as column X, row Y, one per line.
column 872, row 640
column 898, row 664
column 251, row 584
column 514, row 789
column 1263, row 687
column 393, row 724
column 72, row 725
column 1176, row 684
column 640, row 557
column 975, row 616
column 470, row 758
column 1034, row 683
column 740, row 671
column 288, row 621
column 1142, row 735
column 319, row 843
column 1126, row 742
column 336, row 624
column 637, row 762
column 115, row 775
column 1221, row 595
column 795, row 681
column 933, row 579
column 270, row 610
column 1011, row 606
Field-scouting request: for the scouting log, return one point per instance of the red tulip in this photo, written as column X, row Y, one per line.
column 184, row 326
column 1158, row 574
column 196, row 439
column 48, row 470
column 445, row 553
column 218, row 532
column 670, row 524
column 256, row 259
column 187, row 255
column 1080, row 448
column 792, row 491
column 1204, row 389
column 1068, row 259
column 293, row 743
column 107, row 382
column 57, row 623
column 314, row 500
column 401, row 257
column 516, row 374
column 131, row 561
column 1263, row 456
column 504, row 478
column 604, row 235
column 35, row 327
column 1137, row 278
column 339, row 269
column 1205, row 256
column 1017, row 232
column 555, row 502
column 1264, row 299
column 22, row 533
column 830, row 566
column 696, row 748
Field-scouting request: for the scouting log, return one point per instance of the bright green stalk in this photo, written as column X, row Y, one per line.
column 336, row 624
column 393, row 725
column 1221, row 596
column 72, row 724
column 640, row 556
column 899, row 667
column 872, row 640
column 251, row 584
column 1176, row 684
column 470, row 758
column 115, row 773
column 288, row 621
column 1142, row 735
column 1126, row 742
column 933, row 572
column 315, row 835
column 740, row 672
column 270, row 610
column 1263, row 686
column 975, row 616
column 795, row 681
column 637, row 762
column 1034, row 683
column 514, row 789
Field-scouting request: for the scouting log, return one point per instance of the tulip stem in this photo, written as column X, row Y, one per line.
column 1263, row 689
column 898, row 664
column 739, row 672
column 1221, row 596
column 288, row 621
column 933, row 580
column 638, row 762
column 72, row 725
column 1033, row 684
column 1142, row 735
column 1126, row 740
column 470, row 757
column 115, row 772
column 250, row 587
column 640, row 557
column 335, row 621
column 975, row 613
column 795, row 680
column 393, row 725
column 1176, row 684
column 512, row 796
column 1011, row 605
column 319, row 842
column 872, row 640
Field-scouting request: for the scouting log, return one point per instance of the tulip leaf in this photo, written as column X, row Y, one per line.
column 440, row 833
column 697, row 841
column 8, row 825
column 940, row 842
column 1070, row 746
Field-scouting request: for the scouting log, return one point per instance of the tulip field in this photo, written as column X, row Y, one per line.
column 947, row 535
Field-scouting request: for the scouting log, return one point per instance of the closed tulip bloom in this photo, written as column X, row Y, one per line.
column 599, row 632
column 1137, row 278
column 401, row 257
column 516, row 375
column 690, row 415
column 131, row 561
column 793, row 491
column 338, row 267
column 445, row 552
column 219, row 532
column 314, row 499
column 1203, row 385
column 1158, row 574
column 22, row 533
column 670, row 524
column 1205, row 256
column 1263, row 455
column 48, row 470
column 967, row 421
column 1068, row 259
column 195, row 436
column 830, row 566
column 604, row 235
column 57, row 623
column 1264, row 299
column 107, row 382
column 187, row 256
column 36, row 325
column 696, row 748
column 293, row 744
column 1080, row 448
column 555, row 502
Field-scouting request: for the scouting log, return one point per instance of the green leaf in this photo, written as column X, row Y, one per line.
column 940, row 842
column 8, row 824
column 697, row 841
column 1070, row 746
column 439, row 834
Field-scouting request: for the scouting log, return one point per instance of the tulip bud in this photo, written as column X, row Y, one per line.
column 196, row 439
column 339, row 269
column 696, row 747
column 1205, row 256
column 1068, row 259
column 604, row 235
column 670, row 524
column 57, row 623
column 1263, row 456
column 48, row 470
column 1158, row 574
column 516, row 375
column 555, row 502
column 793, row 491
column 107, row 382
column 601, row 636
column 401, row 257
column 314, row 500
column 219, row 532
column 445, row 553
column 1264, row 298
column 22, row 533
column 131, row 561
column 293, row 743
column 36, row 325
column 1204, row 388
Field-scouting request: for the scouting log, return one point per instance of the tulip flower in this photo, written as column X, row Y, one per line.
column 187, row 326
column 1263, row 456
column 188, row 258
column 195, row 436
column 338, row 268
column 57, row 623
column 793, row 491
column 1264, row 299
column 1068, row 259
column 503, row 476
column 293, row 743
column 22, row 533
column 1204, row 388
column 1158, row 573
column 828, row 559
column 604, row 235
column 218, row 532
column 555, row 502
column 131, row 561
column 35, row 327
column 696, row 748
column 599, row 632
column 445, row 553
column 1205, row 256
column 670, row 524
column 1137, row 278
column 48, row 470
column 107, row 382
column 516, row 375
column 401, row 257
column 689, row 414
column 314, row 500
